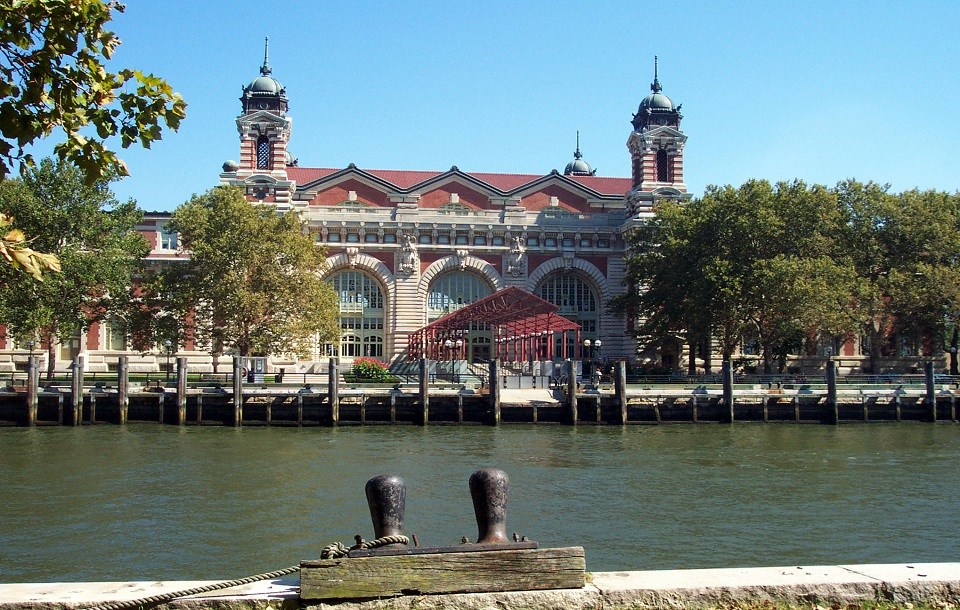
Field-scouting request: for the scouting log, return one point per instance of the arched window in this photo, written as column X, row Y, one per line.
column 361, row 314
column 263, row 152
column 456, row 290
column 577, row 301
column 663, row 166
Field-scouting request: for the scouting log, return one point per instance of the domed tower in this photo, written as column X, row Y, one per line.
column 656, row 148
column 264, row 128
column 578, row 167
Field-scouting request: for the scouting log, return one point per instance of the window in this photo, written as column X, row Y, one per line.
column 353, row 238
column 567, row 242
column 585, row 243
column 333, row 237
column 443, row 239
column 577, row 301
column 361, row 314
column 263, row 152
column 461, row 240
column 480, row 240
column 533, row 241
column 168, row 238
column 497, row 240
column 115, row 334
column 603, row 243
column 390, row 238
column 370, row 238
column 453, row 291
column 425, row 239
column 550, row 242
column 663, row 166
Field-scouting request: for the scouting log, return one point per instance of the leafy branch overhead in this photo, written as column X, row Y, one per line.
column 53, row 56
column 15, row 249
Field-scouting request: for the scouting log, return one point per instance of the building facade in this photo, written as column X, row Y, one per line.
column 407, row 247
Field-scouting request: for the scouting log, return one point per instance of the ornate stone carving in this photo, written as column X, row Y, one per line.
column 567, row 262
column 516, row 259
column 460, row 258
column 352, row 253
column 409, row 257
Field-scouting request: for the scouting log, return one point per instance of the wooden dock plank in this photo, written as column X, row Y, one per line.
column 471, row 572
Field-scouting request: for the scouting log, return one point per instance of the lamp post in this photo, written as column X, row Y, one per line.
column 169, row 345
column 30, row 346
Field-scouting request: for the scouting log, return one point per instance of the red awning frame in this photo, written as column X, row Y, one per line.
column 524, row 327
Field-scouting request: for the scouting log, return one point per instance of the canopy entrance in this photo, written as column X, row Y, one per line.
column 523, row 327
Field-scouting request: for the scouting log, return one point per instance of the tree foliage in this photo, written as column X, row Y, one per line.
column 92, row 235
column 252, row 281
column 790, row 265
column 53, row 56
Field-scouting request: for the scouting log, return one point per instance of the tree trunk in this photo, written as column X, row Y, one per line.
column 767, row 359
column 692, row 344
column 954, row 340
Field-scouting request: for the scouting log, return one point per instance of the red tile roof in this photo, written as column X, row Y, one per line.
column 407, row 179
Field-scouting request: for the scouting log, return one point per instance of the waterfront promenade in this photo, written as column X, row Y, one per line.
column 929, row 583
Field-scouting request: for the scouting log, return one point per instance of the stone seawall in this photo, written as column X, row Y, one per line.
column 919, row 582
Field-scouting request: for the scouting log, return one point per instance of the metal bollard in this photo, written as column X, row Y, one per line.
column 488, row 486
column 387, row 497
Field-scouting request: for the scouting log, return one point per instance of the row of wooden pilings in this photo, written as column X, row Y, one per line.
column 830, row 406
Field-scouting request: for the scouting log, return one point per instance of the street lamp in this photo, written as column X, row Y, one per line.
column 587, row 355
column 169, row 345
column 31, row 344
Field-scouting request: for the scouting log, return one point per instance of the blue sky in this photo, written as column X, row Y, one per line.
column 820, row 91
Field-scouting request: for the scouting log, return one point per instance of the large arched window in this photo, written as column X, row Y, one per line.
column 263, row 152
column 361, row 314
column 453, row 291
column 577, row 301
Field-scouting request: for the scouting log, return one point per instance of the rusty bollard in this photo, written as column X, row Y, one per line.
column 488, row 486
column 387, row 498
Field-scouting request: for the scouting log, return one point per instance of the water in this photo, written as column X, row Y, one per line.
column 146, row 502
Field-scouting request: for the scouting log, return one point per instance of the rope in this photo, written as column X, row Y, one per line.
column 333, row 551
column 338, row 549
column 159, row 599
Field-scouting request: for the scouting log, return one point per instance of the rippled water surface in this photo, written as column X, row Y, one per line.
column 156, row 502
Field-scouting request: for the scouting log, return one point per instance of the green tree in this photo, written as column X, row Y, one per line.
column 252, row 281
column 53, row 56
column 53, row 77
column 93, row 236
column 758, row 259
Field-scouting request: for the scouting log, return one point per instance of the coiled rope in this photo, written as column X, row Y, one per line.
column 332, row 551
column 159, row 599
column 338, row 549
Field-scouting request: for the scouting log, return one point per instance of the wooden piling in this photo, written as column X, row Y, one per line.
column 931, row 391
column 33, row 384
column 333, row 391
column 76, row 390
column 572, row 415
column 831, row 412
column 620, row 386
column 424, row 392
column 181, row 391
column 726, row 372
column 495, row 386
column 237, row 391
column 123, row 387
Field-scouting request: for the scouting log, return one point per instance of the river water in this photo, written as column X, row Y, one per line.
column 146, row 502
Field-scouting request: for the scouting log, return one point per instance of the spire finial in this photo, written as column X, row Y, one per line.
column 655, row 86
column 576, row 153
column 265, row 68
